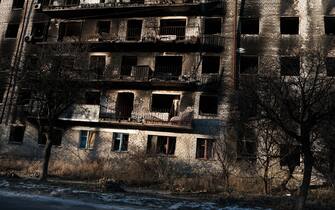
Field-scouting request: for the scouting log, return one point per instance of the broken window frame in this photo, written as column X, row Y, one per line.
column 207, row 66
column 203, row 101
column 244, row 145
column 329, row 22
column 172, row 109
column 9, row 31
column 87, row 139
column 178, row 30
column 63, row 29
column 96, row 66
column 208, row 149
column 101, row 26
column 168, row 67
column 134, row 33
column 163, row 146
column 249, row 25
column 284, row 20
column 245, row 60
column 127, row 63
column 289, row 63
column 16, row 134
column 123, row 141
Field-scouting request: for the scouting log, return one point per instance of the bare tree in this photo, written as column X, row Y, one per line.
column 54, row 78
column 298, row 104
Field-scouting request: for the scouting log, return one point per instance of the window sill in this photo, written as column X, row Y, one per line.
column 15, row 143
column 120, row 152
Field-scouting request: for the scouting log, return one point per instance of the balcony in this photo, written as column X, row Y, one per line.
column 143, row 77
column 153, row 118
column 127, row 8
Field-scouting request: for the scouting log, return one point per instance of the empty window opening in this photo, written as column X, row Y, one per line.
column 92, row 98
column 38, row 31
column 23, row 97
column 248, row 107
column 248, row 64
column 213, row 26
column 289, row 25
column 12, row 30
column 134, row 30
column 329, row 25
column 290, row 66
column 97, row 65
column 161, row 145
column 42, row 139
column 165, row 103
column 137, row 1
column 18, row 4
column 86, row 139
column 57, row 135
column 173, row 27
column 127, row 63
column 120, row 142
column 205, row 149
column 168, row 67
column 16, row 134
column 103, row 27
column 330, row 66
column 208, row 105
column 289, row 155
column 2, row 93
column 249, row 25
column 210, row 64
column 69, row 29
column 124, row 105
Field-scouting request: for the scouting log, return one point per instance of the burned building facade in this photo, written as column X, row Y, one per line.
column 165, row 70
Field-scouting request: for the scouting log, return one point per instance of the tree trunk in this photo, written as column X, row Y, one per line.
column 308, row 166
column 46, row 158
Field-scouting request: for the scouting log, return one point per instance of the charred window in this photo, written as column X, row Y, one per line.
column 92, row 98
column 2, row 93
column 246, row 146
column 124, row 105
column 248, row 107
column 164, row 103
column 161, row 145
column 210, row 64
column 249, row 25
column 42, row 139
column 289, row 66
column 289, row 155
column 205, row 149
column 97, row 65
column 127, row 64
column 69, row 29
column 57, row 135
column 38, row 32
column 12, row 30
column 120, row 142
column 18, row 4
column 103, row 27
column 213, row 26
column 208, row 105
column 137, row 1
column 168, row 67
column 173, row 27
column 16, row 134
column 71, row 2
column 248, row 64
column 330, row 66
column 134, row 30
column 329, row 25
column 289, row 25
column 23, row 97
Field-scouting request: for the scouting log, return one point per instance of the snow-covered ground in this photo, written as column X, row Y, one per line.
column 67, row 196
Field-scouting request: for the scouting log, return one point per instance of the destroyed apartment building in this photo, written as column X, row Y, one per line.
column 163, row 71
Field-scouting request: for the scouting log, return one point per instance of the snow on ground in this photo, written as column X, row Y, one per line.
column 69, row 197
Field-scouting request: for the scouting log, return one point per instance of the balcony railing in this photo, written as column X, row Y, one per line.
column 156, row 117
column 143, row 73
column 76, row 4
